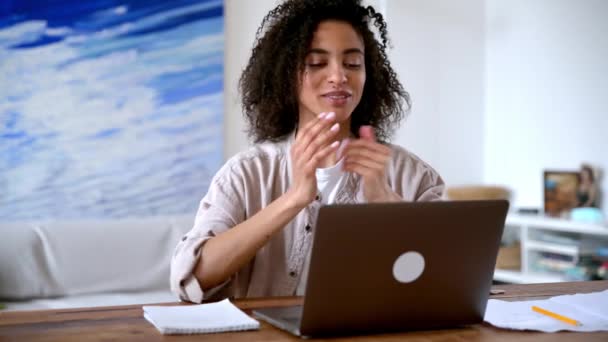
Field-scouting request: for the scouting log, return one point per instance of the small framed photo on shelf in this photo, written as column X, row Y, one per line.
column 560, row 192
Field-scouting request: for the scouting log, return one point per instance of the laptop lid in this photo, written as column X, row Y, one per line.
column 400, row 266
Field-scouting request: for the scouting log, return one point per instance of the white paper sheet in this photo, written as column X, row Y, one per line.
column 590, row 309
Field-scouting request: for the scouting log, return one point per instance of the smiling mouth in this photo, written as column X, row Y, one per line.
column 337, row 99
column 337, row 95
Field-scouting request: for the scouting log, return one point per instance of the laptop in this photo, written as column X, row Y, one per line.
column 385, row 267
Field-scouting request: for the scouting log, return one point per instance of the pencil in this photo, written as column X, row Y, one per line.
column 556, row 316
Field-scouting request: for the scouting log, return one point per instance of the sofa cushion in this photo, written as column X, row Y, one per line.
column 66, row 258
column 91, row 300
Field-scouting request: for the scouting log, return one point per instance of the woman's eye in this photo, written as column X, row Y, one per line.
column 316, row 65
column 353, row 65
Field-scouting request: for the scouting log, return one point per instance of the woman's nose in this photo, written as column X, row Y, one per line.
column 337, row 74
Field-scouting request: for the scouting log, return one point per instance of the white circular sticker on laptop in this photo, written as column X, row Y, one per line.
column 408, row 267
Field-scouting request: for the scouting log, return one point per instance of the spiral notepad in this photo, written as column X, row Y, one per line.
column 198, row 319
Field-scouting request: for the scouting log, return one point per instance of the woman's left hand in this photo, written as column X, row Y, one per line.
column 369, row 158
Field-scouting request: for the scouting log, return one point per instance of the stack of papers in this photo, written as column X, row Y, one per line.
column 590, row 310
column 196, row 319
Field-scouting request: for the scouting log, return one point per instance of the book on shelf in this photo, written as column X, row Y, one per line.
column 553, row 262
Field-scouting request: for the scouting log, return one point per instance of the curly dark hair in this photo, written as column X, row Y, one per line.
column 269, row 83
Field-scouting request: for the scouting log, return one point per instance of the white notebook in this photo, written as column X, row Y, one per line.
column 197, row 319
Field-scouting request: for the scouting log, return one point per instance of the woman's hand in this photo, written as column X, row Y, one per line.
column 226, row 253
column 314, row 142
column 369, row 158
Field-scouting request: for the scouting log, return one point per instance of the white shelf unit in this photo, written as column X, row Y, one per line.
column 529, row 230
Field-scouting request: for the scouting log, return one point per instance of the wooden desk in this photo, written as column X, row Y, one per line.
column 126, row 323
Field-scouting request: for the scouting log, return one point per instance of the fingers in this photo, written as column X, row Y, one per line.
column 372, row 145
column 311, row 123
column 321, row 140
column 364, row 162
column 366, row 158
column 320, row 155
column 360, row 169
column 311, row 134
column 314, row 136
column 367, row 150
column 367, row 132
column 342, row 148
column 313, row 127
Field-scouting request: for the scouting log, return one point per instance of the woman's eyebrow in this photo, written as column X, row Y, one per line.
column 317, row 50
column 353, row 50
column 345, row 52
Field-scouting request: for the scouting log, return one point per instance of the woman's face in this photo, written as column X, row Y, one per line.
column 334, row 71
column 585, row 176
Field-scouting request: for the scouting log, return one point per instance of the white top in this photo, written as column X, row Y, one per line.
column 329, row 182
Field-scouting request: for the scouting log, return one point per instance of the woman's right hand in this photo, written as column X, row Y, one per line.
column 226, row 253
column 314, row 142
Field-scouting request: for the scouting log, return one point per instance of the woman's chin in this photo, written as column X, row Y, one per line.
column 342, row 114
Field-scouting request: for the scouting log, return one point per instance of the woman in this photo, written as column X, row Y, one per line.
column 320, row 97
column 586, row 193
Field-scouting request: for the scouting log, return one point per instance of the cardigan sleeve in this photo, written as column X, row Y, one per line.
column 220, row 209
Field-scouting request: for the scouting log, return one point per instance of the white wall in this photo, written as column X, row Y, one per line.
column 546, row 91
column 241, row 20
column 438, row 54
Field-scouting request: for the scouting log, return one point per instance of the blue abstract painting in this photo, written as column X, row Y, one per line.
column 108, row 108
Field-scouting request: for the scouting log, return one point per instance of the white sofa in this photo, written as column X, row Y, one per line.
column 63, row 264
